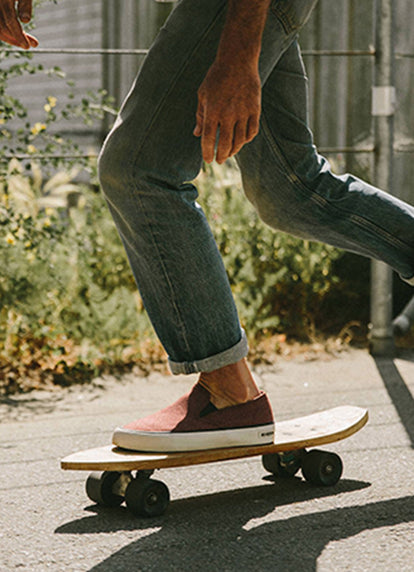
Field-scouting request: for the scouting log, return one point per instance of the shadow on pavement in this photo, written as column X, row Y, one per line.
column 209, row 542
column 399, row 393
column 263, row 499
column 224, row 531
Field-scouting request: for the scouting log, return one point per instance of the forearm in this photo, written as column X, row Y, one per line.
column 229, row 98
column 243, row 30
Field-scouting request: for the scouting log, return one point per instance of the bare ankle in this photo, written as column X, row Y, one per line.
column 230, row 385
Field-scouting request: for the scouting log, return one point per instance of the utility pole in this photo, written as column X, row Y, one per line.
column 383, row 107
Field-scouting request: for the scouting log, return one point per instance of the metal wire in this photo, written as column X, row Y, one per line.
column 78, row 51
column 338, row 53
column 142, row 52
column 28, row 157
column 327, row 150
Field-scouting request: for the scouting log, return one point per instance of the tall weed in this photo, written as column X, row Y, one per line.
column 66, row 290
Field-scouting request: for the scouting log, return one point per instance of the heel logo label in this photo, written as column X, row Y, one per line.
column 266, row 434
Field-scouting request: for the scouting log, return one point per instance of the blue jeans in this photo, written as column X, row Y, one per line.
column 151, row 156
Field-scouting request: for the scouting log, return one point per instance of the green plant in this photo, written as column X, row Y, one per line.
column 23, row 137
column 66, row 290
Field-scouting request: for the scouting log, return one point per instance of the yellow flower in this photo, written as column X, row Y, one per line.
column 47, row 222
column 50, row 104
column 49, row 211
column 38, row 128
column 31, row 149
column 10, row 238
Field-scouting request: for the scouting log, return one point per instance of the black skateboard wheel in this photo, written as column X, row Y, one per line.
column 147, row 497
column 322, row 468
column 100, row 488
column 283, row 465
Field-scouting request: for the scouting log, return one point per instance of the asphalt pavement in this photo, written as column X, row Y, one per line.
column 226, row 516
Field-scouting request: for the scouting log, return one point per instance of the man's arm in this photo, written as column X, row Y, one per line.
column 11, row 30
column 229, row 99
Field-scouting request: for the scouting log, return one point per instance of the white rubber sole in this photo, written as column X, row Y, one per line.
column 166, row 442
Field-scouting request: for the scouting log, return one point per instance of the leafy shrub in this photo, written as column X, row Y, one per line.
column 65, row 286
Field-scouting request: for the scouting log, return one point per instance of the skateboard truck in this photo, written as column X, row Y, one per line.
column 143, row 496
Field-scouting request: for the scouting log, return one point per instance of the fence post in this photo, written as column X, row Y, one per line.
column 383, row 105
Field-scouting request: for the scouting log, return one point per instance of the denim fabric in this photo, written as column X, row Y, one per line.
column 151, row 156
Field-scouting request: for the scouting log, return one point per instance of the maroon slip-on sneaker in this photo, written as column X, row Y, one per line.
column 192, row 423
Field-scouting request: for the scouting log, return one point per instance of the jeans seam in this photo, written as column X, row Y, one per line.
column 134, row 173
column 284, row 20
column 362, row 222
column 180, row 321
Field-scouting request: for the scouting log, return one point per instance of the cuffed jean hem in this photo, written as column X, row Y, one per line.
column 229, row 356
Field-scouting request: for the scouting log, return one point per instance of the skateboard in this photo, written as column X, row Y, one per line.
column 113, row 482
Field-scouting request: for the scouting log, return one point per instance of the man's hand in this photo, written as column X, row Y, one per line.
column 11, row 31
column 229, row 99
column 229, row 103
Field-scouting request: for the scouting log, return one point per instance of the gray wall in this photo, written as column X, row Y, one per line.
column 133, row 27
column 404, row 120
column 340, row 87
column 90, row 25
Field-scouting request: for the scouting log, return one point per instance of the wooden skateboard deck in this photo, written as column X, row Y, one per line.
column 310, row 431
column 147, row 497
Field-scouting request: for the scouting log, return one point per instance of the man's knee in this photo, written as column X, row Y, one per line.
column 272, row 193
column 121, row 169
column 289, row 202
column 111, row 170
